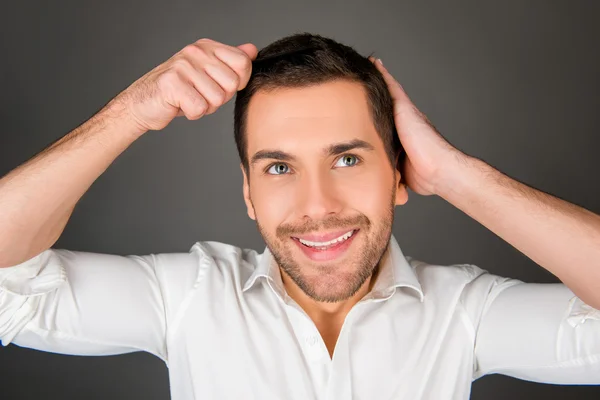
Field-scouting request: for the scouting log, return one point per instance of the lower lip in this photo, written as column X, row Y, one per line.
column 331, row 253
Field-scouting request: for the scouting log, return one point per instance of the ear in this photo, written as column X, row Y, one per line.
column 246, row 189
column 401, row 194
column 401, row 191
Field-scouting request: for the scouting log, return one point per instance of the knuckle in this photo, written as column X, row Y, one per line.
column 247, row 62
column 181, row 63
column 242, row 63
column 235, row 83
column 204, row 40
column 168, row 79
column 193, row 51
column 216, row 99
column 231, row 85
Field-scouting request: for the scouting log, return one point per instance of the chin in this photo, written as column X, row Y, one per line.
column 331, row 283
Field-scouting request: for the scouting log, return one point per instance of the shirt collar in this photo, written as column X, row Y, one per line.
column 395, row 271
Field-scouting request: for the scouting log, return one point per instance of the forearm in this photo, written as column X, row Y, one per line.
column 38, row 197
column 559, row 236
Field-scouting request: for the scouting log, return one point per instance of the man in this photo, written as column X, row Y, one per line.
column 332, row 309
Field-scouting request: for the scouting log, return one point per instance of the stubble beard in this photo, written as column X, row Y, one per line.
column 326, row 283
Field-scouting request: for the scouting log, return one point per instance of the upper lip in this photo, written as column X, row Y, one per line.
column 323, row 237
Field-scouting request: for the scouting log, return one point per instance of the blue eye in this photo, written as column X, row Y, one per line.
column 278, row 169
column 347, row 160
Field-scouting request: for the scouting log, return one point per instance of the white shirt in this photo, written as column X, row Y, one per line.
column 221, row 320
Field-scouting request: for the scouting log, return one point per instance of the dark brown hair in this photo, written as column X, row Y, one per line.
column 305, row 59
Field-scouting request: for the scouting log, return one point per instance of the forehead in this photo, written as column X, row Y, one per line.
column 293, row 119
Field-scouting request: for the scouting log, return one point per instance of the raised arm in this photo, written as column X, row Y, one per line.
column 531, row 331
column 38, row 197
column 89, row 303
column 560, row 236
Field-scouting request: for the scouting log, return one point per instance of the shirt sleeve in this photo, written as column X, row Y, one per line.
column 532, row 331
column 83, row 303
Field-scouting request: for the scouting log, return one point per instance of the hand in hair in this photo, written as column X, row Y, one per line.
column 428, row 154
column 194, row 82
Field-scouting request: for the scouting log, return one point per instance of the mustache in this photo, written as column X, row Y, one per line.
column 334, row 222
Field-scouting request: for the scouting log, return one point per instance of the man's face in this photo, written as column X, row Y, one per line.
column 320, row 186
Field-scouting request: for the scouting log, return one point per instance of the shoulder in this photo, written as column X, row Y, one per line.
column 203, row 254
column 466, row 280
column 225, row 255
column 207, row 264
column 430, row 274
column 468, row 286
column 224, row 262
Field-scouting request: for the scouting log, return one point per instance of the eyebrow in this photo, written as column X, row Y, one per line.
column 339, row 148
column 331, row 150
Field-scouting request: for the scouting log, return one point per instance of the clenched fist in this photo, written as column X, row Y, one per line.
column 194, row 82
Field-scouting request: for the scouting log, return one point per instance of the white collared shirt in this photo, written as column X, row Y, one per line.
column 221, row 320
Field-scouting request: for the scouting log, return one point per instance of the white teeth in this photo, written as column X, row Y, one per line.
column 329, row 243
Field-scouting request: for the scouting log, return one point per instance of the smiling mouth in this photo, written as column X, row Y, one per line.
column 326, row 245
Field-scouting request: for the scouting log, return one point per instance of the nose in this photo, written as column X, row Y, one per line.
column 318, row 196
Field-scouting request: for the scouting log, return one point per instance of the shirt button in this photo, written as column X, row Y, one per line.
column 311, row 340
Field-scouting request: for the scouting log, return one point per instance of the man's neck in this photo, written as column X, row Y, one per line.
column 327, row 317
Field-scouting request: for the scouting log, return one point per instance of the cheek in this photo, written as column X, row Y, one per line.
column 273, row 202
column 368, row 192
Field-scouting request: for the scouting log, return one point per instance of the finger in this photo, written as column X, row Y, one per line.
column 224, row 76
column 187, row 99
column 238, row 60
column 210, row 90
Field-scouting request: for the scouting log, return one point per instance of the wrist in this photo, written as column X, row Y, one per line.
column 117, row 114
column 458, row 175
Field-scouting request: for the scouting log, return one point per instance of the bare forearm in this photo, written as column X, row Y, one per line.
column 38, row 197
column 559, row 236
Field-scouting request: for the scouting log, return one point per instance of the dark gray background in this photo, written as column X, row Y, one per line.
column 512, row 82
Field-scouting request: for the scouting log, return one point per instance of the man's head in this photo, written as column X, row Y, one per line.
column 315, row 132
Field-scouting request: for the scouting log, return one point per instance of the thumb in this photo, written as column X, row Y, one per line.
column 249, row 49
